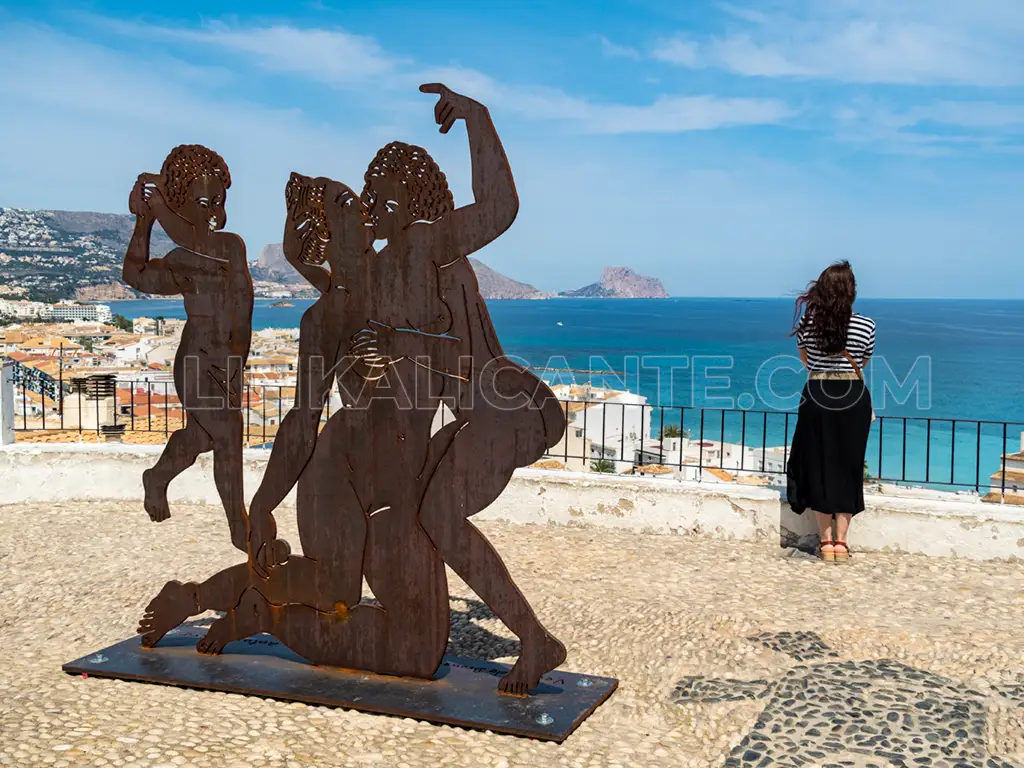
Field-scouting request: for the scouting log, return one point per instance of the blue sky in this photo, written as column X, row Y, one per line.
column 729, row 148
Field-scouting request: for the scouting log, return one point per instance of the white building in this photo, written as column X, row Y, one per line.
column 22, row 309
column 669, row 451
column 774, row 463
column 66, row 310
column 156, row 382
column 149, row 325
column 134, row 351
column 572, row 450
column 1008, row 481
column 614, row 421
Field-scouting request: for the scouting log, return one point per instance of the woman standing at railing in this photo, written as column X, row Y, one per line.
column 826, row 466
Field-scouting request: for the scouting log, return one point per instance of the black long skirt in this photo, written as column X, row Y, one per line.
column 826, row 465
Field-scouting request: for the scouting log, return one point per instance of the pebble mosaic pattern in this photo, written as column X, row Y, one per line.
column 802, row 646
column 649, row 610
column 881, row 709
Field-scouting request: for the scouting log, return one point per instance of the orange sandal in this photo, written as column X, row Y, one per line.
column 828, row 557
column 844, row 556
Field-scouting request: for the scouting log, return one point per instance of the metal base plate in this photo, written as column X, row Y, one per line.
column 462, row 693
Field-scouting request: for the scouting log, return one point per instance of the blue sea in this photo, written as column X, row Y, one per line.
column 728, row 366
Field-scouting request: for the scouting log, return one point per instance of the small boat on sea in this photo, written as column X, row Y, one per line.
column 282, row 304
column 559, row 322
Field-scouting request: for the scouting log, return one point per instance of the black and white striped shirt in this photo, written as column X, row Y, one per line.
column 860, row 343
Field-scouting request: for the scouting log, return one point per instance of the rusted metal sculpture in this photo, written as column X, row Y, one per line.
column 209, row 269
column 383, row 492
column 400, row 331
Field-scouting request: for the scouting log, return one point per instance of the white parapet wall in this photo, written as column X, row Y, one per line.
column 932, row 526
column 6, row 402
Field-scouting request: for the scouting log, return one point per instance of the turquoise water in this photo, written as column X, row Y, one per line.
column 934, row 360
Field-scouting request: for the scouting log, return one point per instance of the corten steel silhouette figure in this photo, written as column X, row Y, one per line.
column 400, row 331
column 209, row 269
column 354, row 519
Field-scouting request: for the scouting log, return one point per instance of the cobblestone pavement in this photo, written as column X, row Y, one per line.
column 728, row 654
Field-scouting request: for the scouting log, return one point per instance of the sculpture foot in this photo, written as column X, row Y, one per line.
column 536, row 659
column 250, row 617
column 175, row 603
column 156, row 498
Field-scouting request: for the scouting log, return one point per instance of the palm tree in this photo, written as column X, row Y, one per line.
column 602, row 465
column 672, row 430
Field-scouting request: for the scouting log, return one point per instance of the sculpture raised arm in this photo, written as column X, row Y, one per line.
column 495, row 201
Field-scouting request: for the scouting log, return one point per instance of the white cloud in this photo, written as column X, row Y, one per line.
column 330, row 56
column 614, row 50
column 934, row 129
column 347, row 61
column 677, row 51
column 904, row 42
column 676, row 114
column 972, row 114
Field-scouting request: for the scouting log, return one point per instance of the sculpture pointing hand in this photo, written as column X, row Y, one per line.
column 451, row 106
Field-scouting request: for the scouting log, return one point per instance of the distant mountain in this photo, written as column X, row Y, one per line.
column 272, row 265
column 272, row 259
column 113, row 229
column 494, row 285
column 620, row 283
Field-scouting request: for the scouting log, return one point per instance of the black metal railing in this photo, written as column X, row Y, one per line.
column 681, row 441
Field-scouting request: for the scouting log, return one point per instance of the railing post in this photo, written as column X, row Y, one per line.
column 6, row 402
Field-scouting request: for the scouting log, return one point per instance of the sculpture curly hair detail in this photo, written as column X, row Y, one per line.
column 304, row 198
column 429, row 195
column 184, row 165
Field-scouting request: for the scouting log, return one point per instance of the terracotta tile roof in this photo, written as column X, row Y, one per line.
column 144, row 412
column 1006, row 498
column 50, row 342
column 653, row 469
column 548, row 464
column 752, row 480
column 1012, row 475
column 574, row 406
column 721, row 474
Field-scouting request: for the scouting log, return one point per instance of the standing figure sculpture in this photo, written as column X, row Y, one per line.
column 505, row 416
column 208, row 268
column 400, row 331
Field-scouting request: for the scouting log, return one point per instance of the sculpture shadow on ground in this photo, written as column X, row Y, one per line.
column 468, row 638
column 878, row 708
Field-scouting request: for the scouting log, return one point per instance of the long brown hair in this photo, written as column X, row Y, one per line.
column 828, row 305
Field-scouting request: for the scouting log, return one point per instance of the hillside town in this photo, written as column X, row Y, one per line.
column 49, row 256
column 38, row 260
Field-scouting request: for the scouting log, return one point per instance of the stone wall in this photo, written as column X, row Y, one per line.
column 938, row 527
